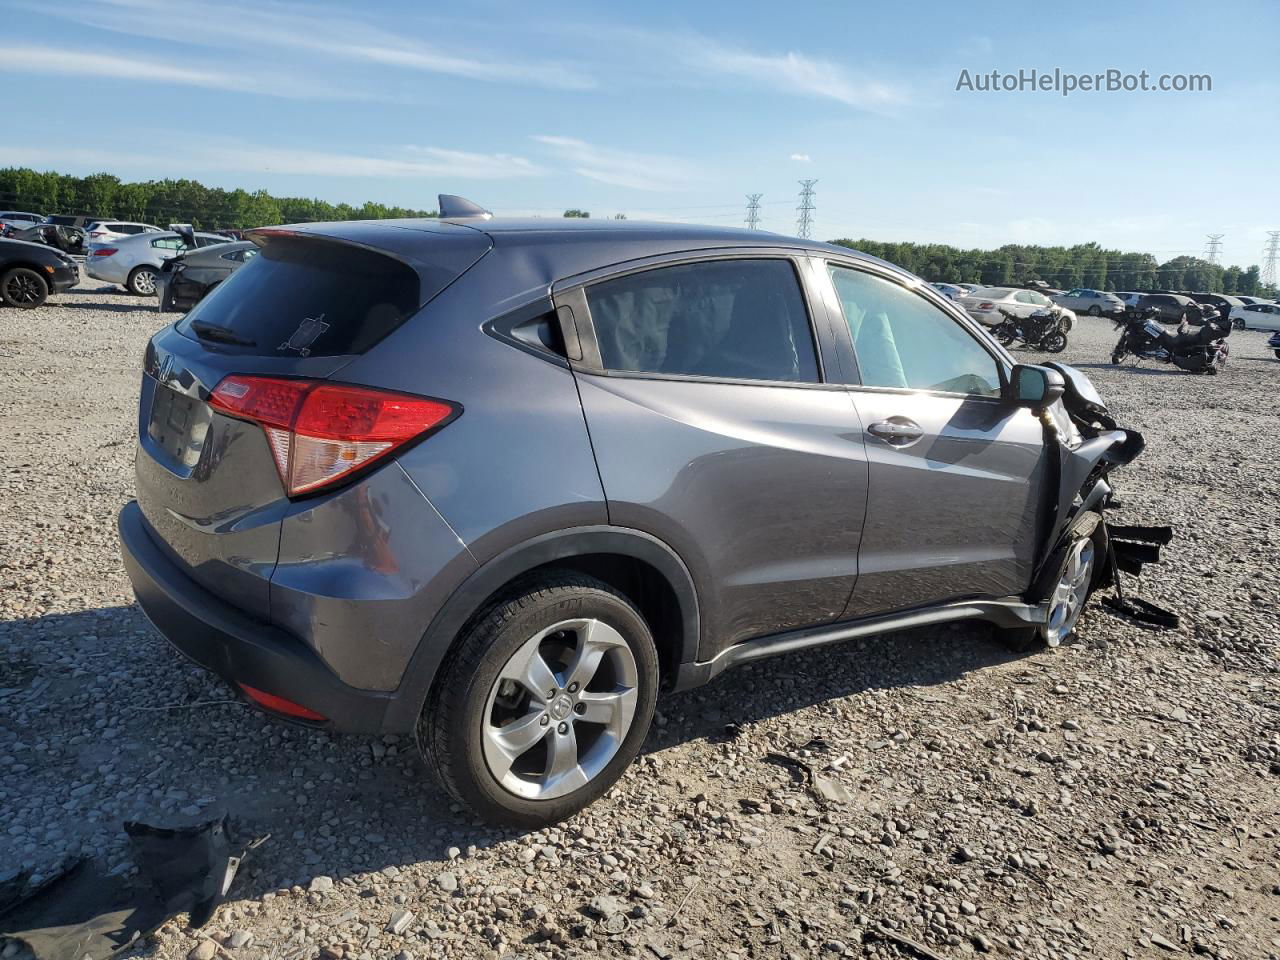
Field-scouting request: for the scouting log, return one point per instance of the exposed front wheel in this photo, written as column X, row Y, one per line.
column 543, row 703
column 1054, row 342
column 142, row 282
column 22, row 287
column 1079, row 572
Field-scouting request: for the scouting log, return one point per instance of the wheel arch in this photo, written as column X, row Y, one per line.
column 635, row 563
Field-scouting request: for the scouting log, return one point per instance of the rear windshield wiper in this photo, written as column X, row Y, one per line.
column 217, row 334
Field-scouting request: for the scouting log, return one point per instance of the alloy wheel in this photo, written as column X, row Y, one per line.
column 22, row 288
column 144, row 282
column 1069, row 595
column 560, row 709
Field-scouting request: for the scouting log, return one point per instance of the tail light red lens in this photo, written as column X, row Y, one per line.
column 320, row 433
column 986, row 305
column 106, row 252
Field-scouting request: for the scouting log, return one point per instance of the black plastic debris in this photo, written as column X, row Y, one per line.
column 80, row 911
column 1131, row 547
column 191, row 868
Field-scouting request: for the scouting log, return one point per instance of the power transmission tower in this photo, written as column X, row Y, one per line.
column 1272, row 251
column 804, row 223
column 753, row 210
column 1214, row 247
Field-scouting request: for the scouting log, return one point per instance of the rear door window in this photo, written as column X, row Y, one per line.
column 724, row 319
column 307, row 298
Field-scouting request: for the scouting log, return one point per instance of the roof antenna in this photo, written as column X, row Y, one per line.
column 460, row 208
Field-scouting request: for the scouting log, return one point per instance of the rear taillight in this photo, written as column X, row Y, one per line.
column 320, row 433
column 986, row 305
column 106, row 252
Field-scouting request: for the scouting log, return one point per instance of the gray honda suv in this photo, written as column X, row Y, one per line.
column 496, row 483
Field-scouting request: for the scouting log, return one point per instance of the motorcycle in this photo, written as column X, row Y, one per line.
column 1202, row 350
column 1041, row 330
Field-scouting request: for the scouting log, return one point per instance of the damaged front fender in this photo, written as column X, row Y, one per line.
column 1088, row 447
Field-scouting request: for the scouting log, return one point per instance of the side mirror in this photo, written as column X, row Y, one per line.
column 1034, row 387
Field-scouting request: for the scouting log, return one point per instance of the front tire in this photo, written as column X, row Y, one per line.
column 1095, row 311
column 543, row 703
column 1054, row 342
column 1079, row 573
column 142, row 281
column 23, row 288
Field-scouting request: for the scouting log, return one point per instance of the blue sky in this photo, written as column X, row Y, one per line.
column 675, row 110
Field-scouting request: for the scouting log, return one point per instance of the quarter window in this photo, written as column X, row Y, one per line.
column 728, row 319
column 903, row 341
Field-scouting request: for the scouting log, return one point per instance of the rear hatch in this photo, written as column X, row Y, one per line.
column 316, row 297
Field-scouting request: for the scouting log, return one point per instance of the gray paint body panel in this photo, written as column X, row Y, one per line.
column 767, row 506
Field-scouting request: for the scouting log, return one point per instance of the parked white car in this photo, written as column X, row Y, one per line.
column 1257, row 316
column 1095, row 303
column 985, row 304
column 101, row 231
column 134, row 262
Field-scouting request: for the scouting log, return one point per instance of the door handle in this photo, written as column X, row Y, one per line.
column 898, row 431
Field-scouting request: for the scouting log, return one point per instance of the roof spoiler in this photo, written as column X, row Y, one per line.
column 460, row 208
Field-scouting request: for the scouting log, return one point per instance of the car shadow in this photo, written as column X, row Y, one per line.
column 164, row 738
column 127, row 307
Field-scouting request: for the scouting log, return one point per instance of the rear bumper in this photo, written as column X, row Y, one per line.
column 222, row 639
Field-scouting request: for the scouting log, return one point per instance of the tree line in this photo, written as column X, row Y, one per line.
column 1083, row 265
column 212, row 208
column 167, row 201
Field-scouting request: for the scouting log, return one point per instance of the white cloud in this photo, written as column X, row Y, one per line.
column 74, row 63
column 794, row 73
column 619, row 168
column 802, row 158
column 310, row 28
column 425, row 162
column 673, row 57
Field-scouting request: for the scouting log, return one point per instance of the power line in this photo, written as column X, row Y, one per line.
column 1214, row 247
column 804, row 223
column 1272, row 251
column 753, row 210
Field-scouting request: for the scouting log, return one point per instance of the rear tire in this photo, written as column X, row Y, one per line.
column 23, row 288
column 143, row 281
column 527, row 758
column 1066, row 324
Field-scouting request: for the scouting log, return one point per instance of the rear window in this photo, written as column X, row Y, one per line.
column 307, row 298
column 733, row 319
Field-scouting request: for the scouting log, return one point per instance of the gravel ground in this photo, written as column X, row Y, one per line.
column 1116, row 797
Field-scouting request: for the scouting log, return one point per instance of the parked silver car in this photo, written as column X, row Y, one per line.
column 1095, row 303
column 495, row 484
column 985, row 303
column 134, row 262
